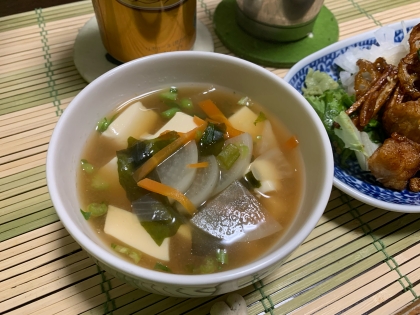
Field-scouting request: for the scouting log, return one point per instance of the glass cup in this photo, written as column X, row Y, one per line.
column 132, row 29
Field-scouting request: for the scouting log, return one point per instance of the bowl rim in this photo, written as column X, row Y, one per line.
column 330, row 49
column 119, row 264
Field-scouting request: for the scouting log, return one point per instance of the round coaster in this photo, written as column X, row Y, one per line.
column 92, row 60
column 272, row 54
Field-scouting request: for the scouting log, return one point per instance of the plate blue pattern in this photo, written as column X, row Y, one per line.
column 352, row 180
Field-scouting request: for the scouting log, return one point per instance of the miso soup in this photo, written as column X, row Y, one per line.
column 191, row 179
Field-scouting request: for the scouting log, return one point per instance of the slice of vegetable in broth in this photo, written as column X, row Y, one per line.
column 204, row 182
column 174, row 171
column 136, row 155
column 166, row 152
column 169, row 192
column 236, row 215
column 240, row 166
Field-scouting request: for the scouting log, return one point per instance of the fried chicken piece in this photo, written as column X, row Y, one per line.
column 403, row 118
column 414, row 184
column 395, row 162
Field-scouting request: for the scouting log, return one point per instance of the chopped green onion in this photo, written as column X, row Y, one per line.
column 86, row 166
column 120, row 249
column 261, row 117
column 173, row 89
column 245, row 101
column 222, row 256
column 162, row 267
column 97, row 209
column 198, row 135
column 228, row 156
column 135, row 256
column 104, row 123
column 209, row 265
column 86, row 215
column 170, row 96
column 169, row 113
column 186, row 104
column 98, row 183
column 250, row 178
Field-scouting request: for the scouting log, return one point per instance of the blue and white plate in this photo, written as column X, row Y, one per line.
column 353, row 181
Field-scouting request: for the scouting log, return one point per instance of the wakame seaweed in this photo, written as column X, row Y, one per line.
column 137, row 153
column 157, row 216
column 212, row 140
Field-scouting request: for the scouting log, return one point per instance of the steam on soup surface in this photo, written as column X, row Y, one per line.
column 190, row 180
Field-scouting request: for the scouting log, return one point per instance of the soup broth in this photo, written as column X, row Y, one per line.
column 226, row 230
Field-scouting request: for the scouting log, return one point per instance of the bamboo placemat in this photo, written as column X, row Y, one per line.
column 359, row 259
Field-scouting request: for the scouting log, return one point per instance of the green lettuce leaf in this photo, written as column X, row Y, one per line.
column 329, row 103
column 318, row 82
column 349, row 133
column 355, row 140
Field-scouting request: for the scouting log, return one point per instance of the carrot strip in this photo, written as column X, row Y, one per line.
column 197, row 120
column 214, row 113
column 212, row 110
column 292, row 142
column 198, row 165
column 164, row 132
column 164, row 153
column 167, row 191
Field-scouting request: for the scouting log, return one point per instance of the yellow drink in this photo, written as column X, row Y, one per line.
column 135, row 28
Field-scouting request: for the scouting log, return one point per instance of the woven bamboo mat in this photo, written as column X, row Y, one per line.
column 359, row 259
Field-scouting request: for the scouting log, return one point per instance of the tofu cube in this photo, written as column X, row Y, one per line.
column 132, row 122
column 126, row 227
column 181, row 122
column 244, row 119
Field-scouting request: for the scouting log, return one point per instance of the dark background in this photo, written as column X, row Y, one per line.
column 8, row 7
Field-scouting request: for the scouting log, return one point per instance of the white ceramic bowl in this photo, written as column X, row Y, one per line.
column 352, row 180
column 168, row 69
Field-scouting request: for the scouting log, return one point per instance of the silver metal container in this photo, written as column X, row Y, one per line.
column 278, row 20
